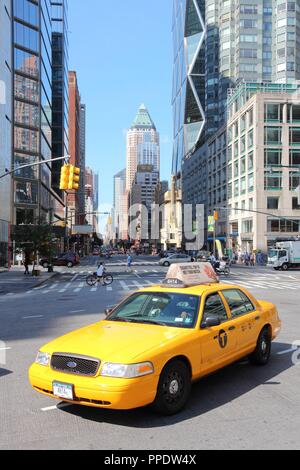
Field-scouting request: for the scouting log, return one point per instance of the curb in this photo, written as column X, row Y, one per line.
column 53, row 275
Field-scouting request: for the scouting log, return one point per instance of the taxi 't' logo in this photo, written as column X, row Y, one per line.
column 223, row 339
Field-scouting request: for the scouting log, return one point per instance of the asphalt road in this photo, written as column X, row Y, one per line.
column 240, row 407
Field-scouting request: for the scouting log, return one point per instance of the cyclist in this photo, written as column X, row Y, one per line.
column 100, row 272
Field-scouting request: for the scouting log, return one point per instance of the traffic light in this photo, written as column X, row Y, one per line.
column 64, row 177
column 74, row 178
column 216, row 216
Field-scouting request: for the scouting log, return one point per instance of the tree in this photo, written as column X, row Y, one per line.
column 34, row 239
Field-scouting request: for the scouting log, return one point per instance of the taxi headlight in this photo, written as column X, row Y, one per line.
column 124, row 371
column 43, row 359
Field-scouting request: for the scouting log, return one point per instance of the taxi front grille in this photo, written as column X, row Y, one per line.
column 76, row 365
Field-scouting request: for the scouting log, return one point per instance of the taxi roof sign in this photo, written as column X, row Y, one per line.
column 190, row 274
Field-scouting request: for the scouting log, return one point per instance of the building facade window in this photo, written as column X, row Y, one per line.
column 273, row 135
column 273, row 203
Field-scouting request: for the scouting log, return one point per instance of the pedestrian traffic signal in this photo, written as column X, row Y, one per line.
column 74, row 178
column 64, row 177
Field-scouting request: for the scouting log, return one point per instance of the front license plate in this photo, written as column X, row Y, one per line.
column 63, row 391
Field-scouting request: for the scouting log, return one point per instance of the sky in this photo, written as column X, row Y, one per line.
column 122, row 53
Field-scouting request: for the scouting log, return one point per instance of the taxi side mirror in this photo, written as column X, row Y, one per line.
column 211, row 321
column 107, row 311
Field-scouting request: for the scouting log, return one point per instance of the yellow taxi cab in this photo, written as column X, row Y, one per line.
column 151, row 347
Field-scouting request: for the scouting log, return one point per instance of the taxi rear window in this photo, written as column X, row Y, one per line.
column 164, row 309
column 238, row 302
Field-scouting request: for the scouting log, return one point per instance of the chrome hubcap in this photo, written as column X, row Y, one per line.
column 174, row 387
column 264, row 346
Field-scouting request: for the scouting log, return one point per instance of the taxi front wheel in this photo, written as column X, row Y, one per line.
column 173, row 388
column 262, row 352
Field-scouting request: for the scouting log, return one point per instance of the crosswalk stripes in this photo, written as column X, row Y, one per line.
column 260, row 282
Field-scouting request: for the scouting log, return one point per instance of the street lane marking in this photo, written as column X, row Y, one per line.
column 109, row 288
column 54, row 286
column 56, row 407
column 287, row 351
column 33, row 316
column 124, row 286
column 77, row 311
column 79, row 287
column 5, row 349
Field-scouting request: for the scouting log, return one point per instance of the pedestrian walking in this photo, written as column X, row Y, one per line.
column 129, row 262
column 26, row 262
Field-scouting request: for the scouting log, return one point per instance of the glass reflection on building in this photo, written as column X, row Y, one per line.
column 189, row 78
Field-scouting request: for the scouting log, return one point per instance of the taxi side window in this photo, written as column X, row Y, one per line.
column 238, row 302
column 214, row 307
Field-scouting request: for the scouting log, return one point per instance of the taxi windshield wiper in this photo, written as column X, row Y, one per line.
column 120, row 319
column 150, row 322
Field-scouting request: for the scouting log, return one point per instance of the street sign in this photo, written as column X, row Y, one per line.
column 82, row 230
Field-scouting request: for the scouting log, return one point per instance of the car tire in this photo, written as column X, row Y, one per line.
column 285, row 267
column 166, row 264
column 262, row 353
column 173, row 389
column 45, row 265
column 70, row 264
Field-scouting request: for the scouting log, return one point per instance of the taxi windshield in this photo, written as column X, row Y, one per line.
column 162, row 309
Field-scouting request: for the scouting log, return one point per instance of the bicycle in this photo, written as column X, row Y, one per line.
column 93, row 279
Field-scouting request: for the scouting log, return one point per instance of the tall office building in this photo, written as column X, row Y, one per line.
column 82, row 157
column 188, row 96
column 218, row 44
column 120, row 206
column 60, row 102
column 74, row 141
column 34, row 199
column 5, row 127
column 143, row 146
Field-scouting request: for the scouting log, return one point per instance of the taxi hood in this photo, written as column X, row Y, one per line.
column 115, row 341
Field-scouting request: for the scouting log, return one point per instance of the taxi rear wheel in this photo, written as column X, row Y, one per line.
column 262, row 353
column 173, row 388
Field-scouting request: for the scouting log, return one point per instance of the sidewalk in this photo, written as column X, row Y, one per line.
column 15, row 280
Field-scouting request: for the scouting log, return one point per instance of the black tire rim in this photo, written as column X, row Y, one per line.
column 173, row 388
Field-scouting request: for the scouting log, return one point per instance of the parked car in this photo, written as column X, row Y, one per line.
column 171, row 259
column 66, row 259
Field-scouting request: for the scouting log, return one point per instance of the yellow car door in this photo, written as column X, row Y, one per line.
column 217, row 333
column 246, row 316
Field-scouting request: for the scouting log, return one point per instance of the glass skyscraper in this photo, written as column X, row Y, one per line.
column 32, row 68
column 5, row 127
column 188, row 95
column 60, row 100
column 218, row 44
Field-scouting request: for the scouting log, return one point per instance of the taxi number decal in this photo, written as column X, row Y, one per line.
column 223, row 339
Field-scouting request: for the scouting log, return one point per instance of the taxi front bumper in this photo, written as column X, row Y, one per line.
column 98, row 392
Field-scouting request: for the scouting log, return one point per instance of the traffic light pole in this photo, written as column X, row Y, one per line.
column 7, row 172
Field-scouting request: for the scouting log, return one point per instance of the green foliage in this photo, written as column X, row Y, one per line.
column 34, row 239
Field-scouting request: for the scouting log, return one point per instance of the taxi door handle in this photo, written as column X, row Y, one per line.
column 257, row 318
column 232, row 328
